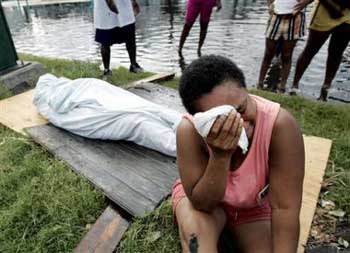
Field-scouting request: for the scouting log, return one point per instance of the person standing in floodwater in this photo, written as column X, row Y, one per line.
column 331, row 18
column 285, row 26
column 193, row 9
column 114, row 21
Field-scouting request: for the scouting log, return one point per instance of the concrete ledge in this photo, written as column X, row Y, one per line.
column 22, row 78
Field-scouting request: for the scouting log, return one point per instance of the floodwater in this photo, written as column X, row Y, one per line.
column 237, row 31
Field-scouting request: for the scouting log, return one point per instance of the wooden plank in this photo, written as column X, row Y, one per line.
column 105, row 234
column 134, row 182
column 154, row 78
column 18, row 112
column 317, row 151
column 158, row 94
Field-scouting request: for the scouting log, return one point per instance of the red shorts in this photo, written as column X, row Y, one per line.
column 196, row 7
column 234, row 217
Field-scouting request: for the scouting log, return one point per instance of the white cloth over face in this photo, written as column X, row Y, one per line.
column 203, row 122
column 96, row 109
column 104, row 18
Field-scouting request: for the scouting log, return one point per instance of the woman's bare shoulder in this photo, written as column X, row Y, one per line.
column 187, row 136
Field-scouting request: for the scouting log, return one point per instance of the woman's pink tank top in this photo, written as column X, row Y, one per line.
column 245, row 183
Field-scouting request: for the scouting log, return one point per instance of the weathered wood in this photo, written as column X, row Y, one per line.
column 158, row 94
column 105, row 234
column 155, row 78
column 134, row 182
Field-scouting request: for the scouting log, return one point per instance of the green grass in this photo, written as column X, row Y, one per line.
column 4, row 91
column 81, row 69
column 44, row 207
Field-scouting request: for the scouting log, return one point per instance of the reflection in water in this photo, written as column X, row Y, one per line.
column 237, row 31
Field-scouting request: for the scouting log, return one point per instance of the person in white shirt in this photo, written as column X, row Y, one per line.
column 114, row 21
column 285, row 26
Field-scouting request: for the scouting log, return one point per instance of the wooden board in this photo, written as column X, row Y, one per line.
column 105, row 234
column 18, row 112
column 135, row 178
column 155, row 78
column 317, row 151
column 158, row 94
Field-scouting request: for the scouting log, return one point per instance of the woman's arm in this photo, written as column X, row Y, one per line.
column 301, row 5
column 287, row 162
column 111, row 5
column 204, row 179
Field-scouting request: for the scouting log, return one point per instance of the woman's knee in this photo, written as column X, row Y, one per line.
column 286, row 58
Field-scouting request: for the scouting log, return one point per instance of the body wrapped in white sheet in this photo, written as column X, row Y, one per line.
column 95, row 109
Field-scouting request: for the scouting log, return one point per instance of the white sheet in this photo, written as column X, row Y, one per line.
column 95, row 109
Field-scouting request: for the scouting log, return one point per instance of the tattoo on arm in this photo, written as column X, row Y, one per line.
column 193, row 245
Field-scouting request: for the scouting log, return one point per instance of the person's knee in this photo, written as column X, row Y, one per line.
column 188, row 25
column 286, row 58
column 309, row 52
column 269, row 54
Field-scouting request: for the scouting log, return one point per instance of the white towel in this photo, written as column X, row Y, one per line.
column 203, row 121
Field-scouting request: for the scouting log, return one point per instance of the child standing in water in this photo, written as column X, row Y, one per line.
column 194, row 8
column 285, row 26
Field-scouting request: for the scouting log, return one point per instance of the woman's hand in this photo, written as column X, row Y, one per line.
column 136, row 7
column 271, row 8
column 218, row 5
column 300, row 6
column 224, row 134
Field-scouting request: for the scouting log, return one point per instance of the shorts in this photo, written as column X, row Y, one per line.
column 116, row 35
column 196, row 7
column 234, row 216
column 286, row 27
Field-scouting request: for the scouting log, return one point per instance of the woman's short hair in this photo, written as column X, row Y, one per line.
column 205, row 73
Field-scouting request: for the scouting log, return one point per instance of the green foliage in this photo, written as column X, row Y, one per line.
column 154, row 232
